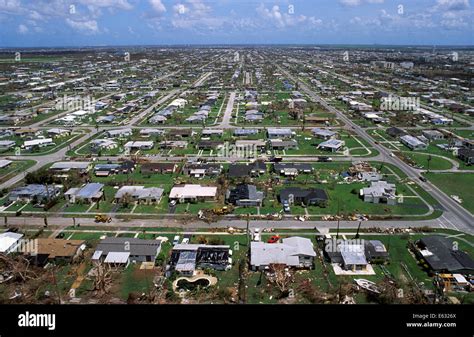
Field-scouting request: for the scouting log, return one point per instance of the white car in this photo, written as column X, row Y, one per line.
column 176, row 240
column 256, row 234
column 185, row 241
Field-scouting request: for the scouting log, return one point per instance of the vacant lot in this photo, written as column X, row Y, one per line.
column 460, row 184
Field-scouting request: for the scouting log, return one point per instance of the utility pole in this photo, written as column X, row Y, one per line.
column 338, row 219
column 358, row 228
column 248, row 230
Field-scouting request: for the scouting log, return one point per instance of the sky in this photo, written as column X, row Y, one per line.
column 55, row 23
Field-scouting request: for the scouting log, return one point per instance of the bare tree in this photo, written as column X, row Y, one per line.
column 126, row 200
column 102, row 278
column 281, row 277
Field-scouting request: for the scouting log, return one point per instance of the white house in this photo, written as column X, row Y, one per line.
column 189, row 192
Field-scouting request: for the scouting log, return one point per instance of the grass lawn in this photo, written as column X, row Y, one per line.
column 341, row 198
column 14, row 168
column 134, row 279
column 460, row 184
column 421, row 160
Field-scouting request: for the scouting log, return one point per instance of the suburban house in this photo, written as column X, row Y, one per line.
column 152, row 132
column 212, row 133
column 395, row 132
column 157, row 119
column 119, row 133
column 186, row 258
column 180, row 133
column 432, row 134
column 57, row 132
column 9, row 241
column 192, row 193
column 441, row 255
column 468, row 144
column 104, row 170
column 209, row 144
column 140, row 194
column 323, row 133
column 466, row 155
column 245, row 195
column 375, row 251
column 299, row 196
column 5, row 163
column 102, row 144
column 139, row 145
column 53, row 250
column 316, row 120
column 30, row 132
column 40, row 142
column 250, row 146
column 254, row 169
column 68, row 166
column 379, row 192
column 89, row 193
column 106, row 119
column 121, row 251
column 293, row 252
column 369, row 176
column 413, row 143
column 200, row 170
column 278, row 144
column 161, row 168
column 332, row 145
column 245, row 132
column 173, row 144
column 31, row 192
column 6, row 145
column 280, row 133
column 348, row 255
column 292, row 169
column 253, row 116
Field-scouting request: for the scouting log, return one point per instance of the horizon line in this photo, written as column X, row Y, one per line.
column 242, row 44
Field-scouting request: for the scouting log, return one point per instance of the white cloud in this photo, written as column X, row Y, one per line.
column 86, row 27
column 10, row 6
column 157, row 6
column 117, row 4
column 352, row 3
column 22, row 29
column 283, row 20
column 453, row 5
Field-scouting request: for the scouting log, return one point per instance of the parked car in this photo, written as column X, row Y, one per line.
column 324, row 159
column 256, row 234
column 185, row 241
column 172, row 203
column 286, row 207
column 176, row 240
column 274, row 239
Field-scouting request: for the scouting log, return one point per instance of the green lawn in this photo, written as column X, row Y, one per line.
column 436, row 163
column 14, row 168
column 460, row 184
